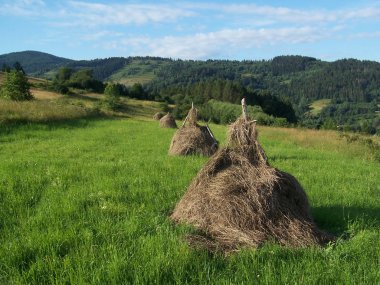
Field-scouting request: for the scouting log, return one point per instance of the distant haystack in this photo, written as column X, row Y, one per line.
column 168, row 121
column 238, row 200
column 158, row 116
column 192, row 138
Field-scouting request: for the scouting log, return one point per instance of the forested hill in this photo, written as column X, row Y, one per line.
column 296, row 77
column 34, row 62
column 348, row 86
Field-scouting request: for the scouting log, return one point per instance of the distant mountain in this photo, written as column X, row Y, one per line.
column 34, row 62
column 46, row 65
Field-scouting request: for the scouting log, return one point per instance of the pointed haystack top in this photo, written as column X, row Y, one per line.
column 168, row 121
column 192, row 138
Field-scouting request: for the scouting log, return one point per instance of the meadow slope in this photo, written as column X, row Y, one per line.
column 87, row 202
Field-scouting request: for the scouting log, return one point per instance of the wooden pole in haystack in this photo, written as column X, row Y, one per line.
column 184, row 122
column 244, row 109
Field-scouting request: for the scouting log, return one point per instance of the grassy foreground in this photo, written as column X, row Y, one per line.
column 87, row 202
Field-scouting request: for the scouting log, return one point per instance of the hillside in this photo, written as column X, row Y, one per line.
column 34, row 62
column 351, row 86
column 295, row 77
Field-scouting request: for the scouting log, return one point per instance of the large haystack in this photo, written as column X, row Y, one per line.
column 168, row 121
column 239, row 200
column 158, row 116
column 192, row 138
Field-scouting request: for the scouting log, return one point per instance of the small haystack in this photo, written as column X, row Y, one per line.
column 168, row 121
column 158, row 116
column 192, row 138
column 239, row 200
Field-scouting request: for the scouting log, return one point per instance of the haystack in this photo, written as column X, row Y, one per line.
column 239, row 200
column 168, row 121
column 192, row 138
column 158, row 116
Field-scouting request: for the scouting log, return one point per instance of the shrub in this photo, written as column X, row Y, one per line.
column 16, row 86
column 112, row 97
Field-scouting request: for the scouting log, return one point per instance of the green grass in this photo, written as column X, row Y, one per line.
column 317, row 106
column 87, row 202
column 138, row 71
column 71, row 107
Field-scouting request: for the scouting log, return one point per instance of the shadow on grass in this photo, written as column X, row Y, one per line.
column 339, row 220
column 10, row 126
column 83, row 97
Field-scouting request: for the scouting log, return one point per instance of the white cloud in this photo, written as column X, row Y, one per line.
column 90, row 14
column 191, row 30
column 365, row 35
column 74, row 13
column 215, row 44
column 100, row 35
column 277, row 14
column 82, row 13
column 22, row 7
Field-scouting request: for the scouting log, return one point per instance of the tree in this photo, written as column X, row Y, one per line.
column 112, row 96
column 18, row 67
column 15, row 86
column 83, row 79
column 137, row 91
column 64, row 74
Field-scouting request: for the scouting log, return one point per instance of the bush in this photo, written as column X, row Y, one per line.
column 16, row 86
column 112, row 96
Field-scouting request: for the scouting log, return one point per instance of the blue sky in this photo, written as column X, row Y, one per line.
column 239, row 30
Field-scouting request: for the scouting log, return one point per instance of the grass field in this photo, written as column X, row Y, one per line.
column 137, row 71
column 317, row 106
column 87, row 201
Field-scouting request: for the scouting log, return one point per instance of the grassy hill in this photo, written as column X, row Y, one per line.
column 138, row 71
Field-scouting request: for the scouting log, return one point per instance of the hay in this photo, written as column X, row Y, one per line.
column 192, row 138
column 239, row 200
column 158, row 116
column 168, row 121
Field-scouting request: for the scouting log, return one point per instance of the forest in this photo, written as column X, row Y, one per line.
column 284, row 87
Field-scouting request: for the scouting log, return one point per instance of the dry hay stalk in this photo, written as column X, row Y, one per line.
column 192, row 138
column 158, row 116
column 168, row 121
column 239, row 200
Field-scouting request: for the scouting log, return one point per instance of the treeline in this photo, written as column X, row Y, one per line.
column 348, row 80
column 294, row 80
column 226, row 91
column 281, row 65
column 226, row 113
column 294, row 77
column 356, row 117
column 80, row 79
column 101, row 68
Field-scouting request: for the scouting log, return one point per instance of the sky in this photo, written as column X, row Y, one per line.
column 199, row 30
